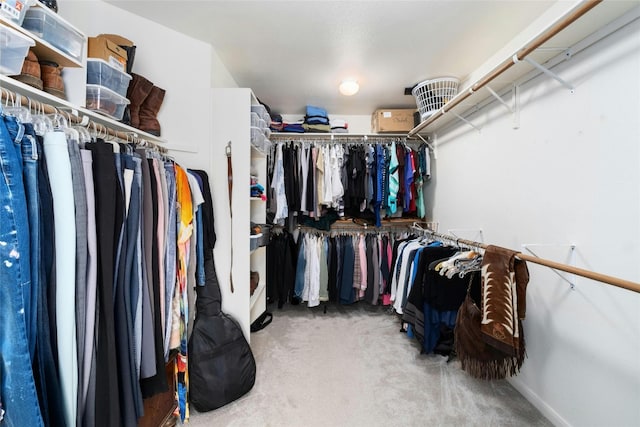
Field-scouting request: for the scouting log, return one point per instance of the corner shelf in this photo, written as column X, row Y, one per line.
column 557, row 42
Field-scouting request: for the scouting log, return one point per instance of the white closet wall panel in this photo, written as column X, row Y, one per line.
column 569, row 174
column 177, row 63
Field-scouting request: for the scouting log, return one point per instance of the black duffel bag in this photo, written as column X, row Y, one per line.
column 221, row 364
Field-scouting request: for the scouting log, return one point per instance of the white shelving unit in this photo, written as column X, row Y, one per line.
column 258, row 301
column 43, row 49
column 75, row 79
column 71, row 108
column 232, row 123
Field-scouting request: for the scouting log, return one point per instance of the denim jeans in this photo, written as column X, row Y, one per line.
column 30, row 176
column 18, row 391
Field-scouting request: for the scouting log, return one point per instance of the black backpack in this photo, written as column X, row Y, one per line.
column 221, row 364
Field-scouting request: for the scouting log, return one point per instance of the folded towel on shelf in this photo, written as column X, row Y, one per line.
column 316, row 111
column 317, row 128
column 293, row 127
column 339, row 123
column 316, row 120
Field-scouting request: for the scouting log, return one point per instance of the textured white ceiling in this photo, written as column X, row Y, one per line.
column 294, row 53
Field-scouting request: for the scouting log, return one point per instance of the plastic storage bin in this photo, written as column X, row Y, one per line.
column 254, row 242
column 15, row 10
column 99, row 72
column 257, row 121
column 13, row 49
column 52, row 28
column 106, row 101
column 261, row 111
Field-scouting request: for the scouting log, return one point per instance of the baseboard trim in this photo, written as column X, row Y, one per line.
column 540, row 404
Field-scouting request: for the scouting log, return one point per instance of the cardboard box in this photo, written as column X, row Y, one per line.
column 392, row 120
column 117, row 39
column 103, row 48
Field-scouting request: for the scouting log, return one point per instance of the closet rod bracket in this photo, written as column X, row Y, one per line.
column 428, row 144
column 464, row 120
column 477, row 233
column 514, row 108
column 500, row 100
column 550, row 74
column 572, row 248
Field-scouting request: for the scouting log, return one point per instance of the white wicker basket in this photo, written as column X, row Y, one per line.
column 432, row 94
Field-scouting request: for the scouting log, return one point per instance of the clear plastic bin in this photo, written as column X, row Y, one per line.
column 254, row 242
column 15, row 10
column 255, row 120
column 257, row 135
column 99, row 72
column 106, row 101
column 13, row 49
column 52, row 28
column 261, row 111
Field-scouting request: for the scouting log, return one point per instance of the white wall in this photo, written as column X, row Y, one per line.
column 220, row 77
column 569, row 174
column 185, row 67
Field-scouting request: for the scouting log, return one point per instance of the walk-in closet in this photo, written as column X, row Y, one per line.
column 319, row 213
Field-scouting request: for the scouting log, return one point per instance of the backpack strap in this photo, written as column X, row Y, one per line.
column 261, row 322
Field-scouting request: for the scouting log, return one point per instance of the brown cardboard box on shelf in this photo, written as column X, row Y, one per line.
column 117, row 39
column 392, row 120
column 103, row 48
column 125, row 44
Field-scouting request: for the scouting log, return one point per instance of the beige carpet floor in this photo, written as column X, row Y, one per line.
column 353, row 367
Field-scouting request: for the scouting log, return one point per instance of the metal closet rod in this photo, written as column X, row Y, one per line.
column 599, row 277
column 354, row 229
column 10, row 96
column 330, row 136
column 508, row 63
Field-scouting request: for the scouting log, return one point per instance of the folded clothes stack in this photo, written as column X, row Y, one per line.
column 316, row 120
column 339, row 126
column 257, row 190
column 293, row 127
column 277, row 125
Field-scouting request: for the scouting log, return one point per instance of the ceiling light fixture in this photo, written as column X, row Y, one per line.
column 349, row 87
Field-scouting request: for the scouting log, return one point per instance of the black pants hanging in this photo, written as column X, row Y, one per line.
column 106, row 196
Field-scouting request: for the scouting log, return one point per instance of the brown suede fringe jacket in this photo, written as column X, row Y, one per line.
column 489, row 341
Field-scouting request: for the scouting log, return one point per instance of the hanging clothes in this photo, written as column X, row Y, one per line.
column 100, row 226
column 18, row 391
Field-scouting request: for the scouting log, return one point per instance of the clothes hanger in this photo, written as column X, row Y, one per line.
column 41, row 122
column 109, row 139
column 22, row 114
column 84, row 136
column 71, row 133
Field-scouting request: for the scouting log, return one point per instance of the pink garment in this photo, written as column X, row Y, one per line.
column 362, row 247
